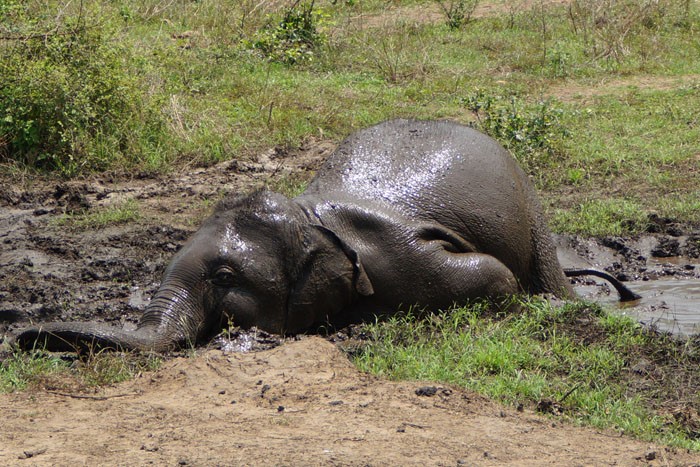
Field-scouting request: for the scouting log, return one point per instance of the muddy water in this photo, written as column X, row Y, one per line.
column 671, row 304
column 669, row 286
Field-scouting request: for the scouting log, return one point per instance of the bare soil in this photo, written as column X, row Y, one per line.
column 299, row 403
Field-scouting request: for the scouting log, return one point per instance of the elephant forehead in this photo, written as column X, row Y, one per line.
column 231, row 241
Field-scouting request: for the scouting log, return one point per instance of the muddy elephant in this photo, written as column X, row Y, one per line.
column 424, row 213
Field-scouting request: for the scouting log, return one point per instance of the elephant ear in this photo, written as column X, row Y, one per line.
column 326, row 280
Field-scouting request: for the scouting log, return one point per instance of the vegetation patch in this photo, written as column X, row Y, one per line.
column 69, row 101
column 125, row 212
column 533, row 133
column 36, row 369
column 575, row 361
column 153, row 86
column 293, row 38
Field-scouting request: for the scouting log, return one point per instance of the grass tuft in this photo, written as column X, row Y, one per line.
column 36, row 369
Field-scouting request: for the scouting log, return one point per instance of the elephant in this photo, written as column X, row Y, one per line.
column 403, row 213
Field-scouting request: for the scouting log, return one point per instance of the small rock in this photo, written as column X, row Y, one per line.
column 32, row 453
column 650, row 456
column 427, row 391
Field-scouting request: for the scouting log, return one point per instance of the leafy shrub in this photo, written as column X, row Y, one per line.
column 292, row 39
column 457, row 12
column 532, row 133
column 68, row 102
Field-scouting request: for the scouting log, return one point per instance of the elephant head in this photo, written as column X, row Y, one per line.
column 258, row 261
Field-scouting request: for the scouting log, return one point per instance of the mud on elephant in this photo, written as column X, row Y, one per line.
column 403, row 213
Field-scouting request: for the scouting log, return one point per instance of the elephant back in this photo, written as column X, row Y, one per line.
column 453, row 175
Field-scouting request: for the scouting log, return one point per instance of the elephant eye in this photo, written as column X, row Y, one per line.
column 223, row 277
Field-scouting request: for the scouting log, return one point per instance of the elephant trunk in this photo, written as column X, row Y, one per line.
column 172, row 320
column 90, row 336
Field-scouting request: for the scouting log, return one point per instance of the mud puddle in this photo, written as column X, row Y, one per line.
column 663, row 269
column 669, row 304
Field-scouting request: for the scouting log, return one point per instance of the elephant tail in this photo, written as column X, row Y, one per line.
column 626, row 295
column 90, row 337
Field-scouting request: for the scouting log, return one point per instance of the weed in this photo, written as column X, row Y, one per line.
column 457, row 12
column 290, row 185
column 532, row 133
column 119, row 214
column 608, row 28
column 294, row 38
column 22, row 370
column 109, row 367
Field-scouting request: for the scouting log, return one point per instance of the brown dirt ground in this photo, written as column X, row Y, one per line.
column 302, row 403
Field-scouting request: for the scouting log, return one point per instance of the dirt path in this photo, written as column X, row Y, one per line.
column 302, row 403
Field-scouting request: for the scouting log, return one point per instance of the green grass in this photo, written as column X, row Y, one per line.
column 29, row 370
column 578, row 357
column 179, row 83
column 122, row 213
column 22, row 369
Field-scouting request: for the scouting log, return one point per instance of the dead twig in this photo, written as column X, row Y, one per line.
column 95, row 398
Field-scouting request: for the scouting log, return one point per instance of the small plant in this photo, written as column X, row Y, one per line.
column 533, row 133
column 398, row 52
column 289, row 185
column 22, row 369
column 294, row 38
column 103, row 368
column 457, row 12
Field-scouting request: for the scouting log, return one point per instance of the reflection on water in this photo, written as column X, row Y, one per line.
column 672, row 304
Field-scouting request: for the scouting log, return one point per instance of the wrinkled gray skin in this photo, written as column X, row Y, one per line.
column 403, row 213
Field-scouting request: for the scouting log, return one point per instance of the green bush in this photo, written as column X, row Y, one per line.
column 294, row 38
column 68, row 101
column 457, row 12
column 533, row 133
